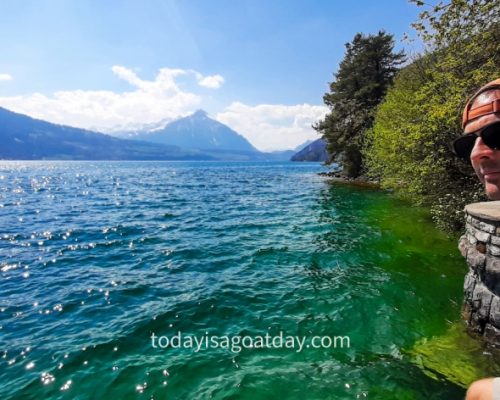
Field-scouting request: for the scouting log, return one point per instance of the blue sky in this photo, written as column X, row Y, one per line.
column 261, row 67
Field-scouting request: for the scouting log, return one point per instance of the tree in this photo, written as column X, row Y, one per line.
column 361, row 82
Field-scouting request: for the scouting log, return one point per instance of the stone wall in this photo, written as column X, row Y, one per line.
column 480, row 245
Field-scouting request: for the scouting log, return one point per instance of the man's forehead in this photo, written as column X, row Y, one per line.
column 485, row 98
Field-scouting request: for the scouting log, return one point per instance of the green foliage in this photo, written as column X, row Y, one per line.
column 408, row 148
column 360, row 84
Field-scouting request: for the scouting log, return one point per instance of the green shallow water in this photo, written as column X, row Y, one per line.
column 95, row 257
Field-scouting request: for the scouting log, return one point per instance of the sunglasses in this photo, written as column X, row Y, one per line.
column 491, row 137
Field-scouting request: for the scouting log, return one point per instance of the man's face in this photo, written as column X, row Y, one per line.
column 486, row 161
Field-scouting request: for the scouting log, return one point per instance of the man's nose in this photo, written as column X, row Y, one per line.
column 480, row 149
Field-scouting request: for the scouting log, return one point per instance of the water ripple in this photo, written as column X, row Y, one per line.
column 95, row 257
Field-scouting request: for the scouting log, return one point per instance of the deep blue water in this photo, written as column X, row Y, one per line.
column 96, row 256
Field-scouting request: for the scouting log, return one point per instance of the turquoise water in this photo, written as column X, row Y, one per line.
column 96, row 256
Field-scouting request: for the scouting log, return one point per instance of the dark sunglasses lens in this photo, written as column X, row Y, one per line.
column 463, row 146
column 491, row 136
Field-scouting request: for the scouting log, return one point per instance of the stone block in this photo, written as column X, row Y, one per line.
column 469, row 228
column 495, row 240
column 469, row 219
column 471, row 238
column 469, row 283
column 475, row 259
column 494, row 250
column 492, row 335
column 476, row 324
column 491, row 276
column 487, row 227
column 495, row 312
column 481, row 301
column 482, row 236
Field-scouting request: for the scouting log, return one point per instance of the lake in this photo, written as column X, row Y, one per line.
column 96, row 257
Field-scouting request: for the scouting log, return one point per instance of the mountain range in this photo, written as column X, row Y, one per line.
column 196, row 131
column 195, row 137
column 26, row 138
column 313, row 151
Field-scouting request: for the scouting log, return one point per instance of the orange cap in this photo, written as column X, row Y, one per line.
column 492, row 107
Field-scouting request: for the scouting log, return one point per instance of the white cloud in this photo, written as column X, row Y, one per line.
column 273, row 126
column 149, row 102
column 5, row 77
column 212, row 82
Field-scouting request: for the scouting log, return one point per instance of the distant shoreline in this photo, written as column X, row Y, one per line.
column 359, row 181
